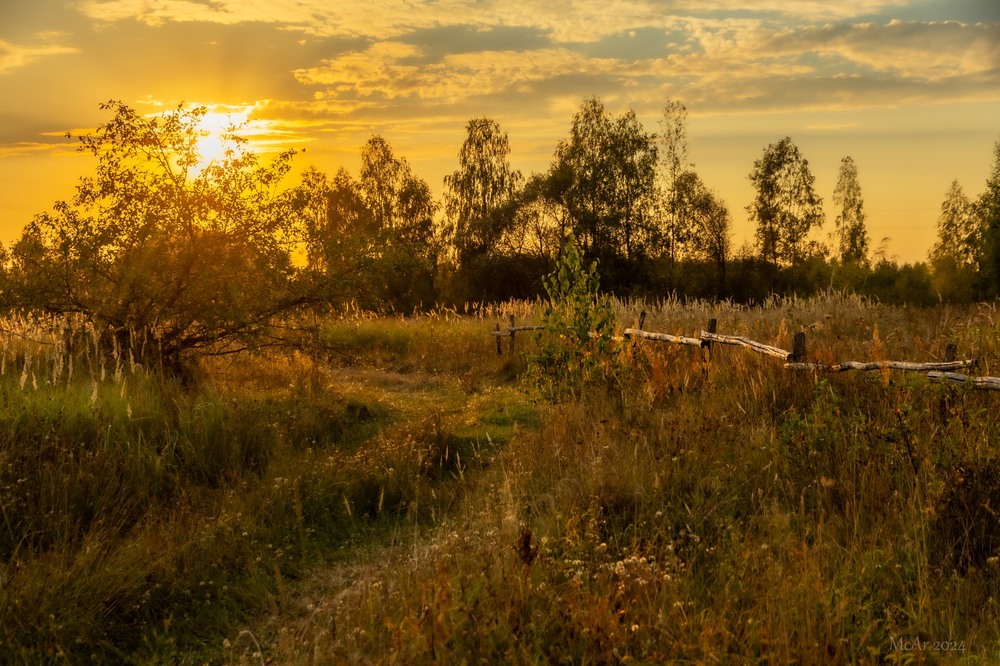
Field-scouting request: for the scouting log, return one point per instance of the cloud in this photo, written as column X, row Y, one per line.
column 566, row 21
column 13, row 56
column 922, row 50
column 386, row 71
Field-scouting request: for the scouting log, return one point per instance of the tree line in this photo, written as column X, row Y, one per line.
column 194, row 257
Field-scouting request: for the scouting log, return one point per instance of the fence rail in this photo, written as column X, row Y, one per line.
column 795, row 359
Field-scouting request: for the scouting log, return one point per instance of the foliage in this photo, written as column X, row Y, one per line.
column 141, row 522
column 673, row 171
column 576, row 347
column 480, row 195
column 850, row 230
column 958, row 234
column 398, row 499
column 786, row 207
column 710, row 223
column 987, row 212
column 373, row 238
column 605, row 171
column 153, row 245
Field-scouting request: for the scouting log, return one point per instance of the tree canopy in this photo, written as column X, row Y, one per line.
column 851, row 233
column 154, row 244
column 786, row 207
column 203, row 257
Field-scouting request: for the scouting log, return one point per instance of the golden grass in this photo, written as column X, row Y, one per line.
column 395, row 495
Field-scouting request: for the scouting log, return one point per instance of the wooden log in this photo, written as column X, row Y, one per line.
column 758, row 347
column 808, row 366
column 987, row 383
column 629, row 333
column 516, row 329
column 902, row 365
column 884, row 365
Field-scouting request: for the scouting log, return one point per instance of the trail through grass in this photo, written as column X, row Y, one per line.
column 392, row 493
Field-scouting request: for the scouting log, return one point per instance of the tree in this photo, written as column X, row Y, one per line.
column 958, row 235
column 674, row 166
column 633, row 164
column 851, row 233
column 480, row 194
column 197, row 259
column 387, row 215
column 786, row 207
column 987, row 213
column 606, row 173
column 709, row 221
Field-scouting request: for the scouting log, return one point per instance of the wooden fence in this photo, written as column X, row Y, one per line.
column 794, row 359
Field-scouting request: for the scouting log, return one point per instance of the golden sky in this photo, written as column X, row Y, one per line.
column 909, row 89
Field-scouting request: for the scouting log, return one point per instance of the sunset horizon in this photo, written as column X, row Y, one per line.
column 909, row 90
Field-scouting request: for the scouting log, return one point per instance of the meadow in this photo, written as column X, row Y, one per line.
column 392, row 490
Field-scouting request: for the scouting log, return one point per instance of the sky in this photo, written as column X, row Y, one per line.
column 910, row 89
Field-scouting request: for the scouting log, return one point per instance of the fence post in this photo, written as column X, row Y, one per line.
column 512, row 334
column 944, row 402
column 638, row 326
column 499, row 341
column 799, row 347
column 712, row 325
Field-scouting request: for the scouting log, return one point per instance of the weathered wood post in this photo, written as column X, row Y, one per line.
column 944, row 402
column 496, row 334
column 799, row 347
column 638, row 326
column 712, row 325
column 706, row 346
column 512, row 333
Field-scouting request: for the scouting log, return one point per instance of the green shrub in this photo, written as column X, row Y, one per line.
column 576, row 346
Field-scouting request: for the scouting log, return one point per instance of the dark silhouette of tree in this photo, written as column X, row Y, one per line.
column 850, row 231
column 674, row 166
column 987, row 212
column 709, row 221
column 379, row 232
column 481, row 193
column 958, row 232
column 786, row 207
column 955, row 256
column 195, row 259
column 607, row 170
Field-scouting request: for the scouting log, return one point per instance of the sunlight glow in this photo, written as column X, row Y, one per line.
column 217, row 129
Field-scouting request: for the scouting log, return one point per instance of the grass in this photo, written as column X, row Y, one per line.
column 398, row 496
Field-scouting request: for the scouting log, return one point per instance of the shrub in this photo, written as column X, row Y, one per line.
column 576, row 346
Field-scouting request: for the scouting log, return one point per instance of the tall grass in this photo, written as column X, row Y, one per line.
column 723, row 511
column 394, row 494
column 141, row 519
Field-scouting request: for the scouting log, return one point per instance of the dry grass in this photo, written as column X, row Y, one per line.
column 399, row 498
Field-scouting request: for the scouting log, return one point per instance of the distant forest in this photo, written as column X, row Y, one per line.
column 637, row 207
column 156, row 241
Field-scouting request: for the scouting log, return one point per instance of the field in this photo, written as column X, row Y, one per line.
column 393, row 491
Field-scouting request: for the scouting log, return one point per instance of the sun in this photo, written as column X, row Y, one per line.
column 215, row 143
